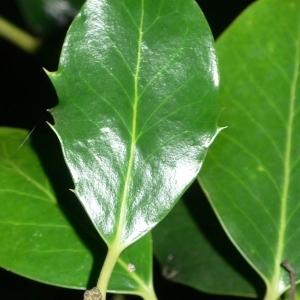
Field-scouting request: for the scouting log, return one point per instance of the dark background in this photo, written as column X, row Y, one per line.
column 26, row 93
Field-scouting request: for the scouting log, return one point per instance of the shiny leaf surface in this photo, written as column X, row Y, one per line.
column 251, row 175
column 43, row 235
column 137, row 85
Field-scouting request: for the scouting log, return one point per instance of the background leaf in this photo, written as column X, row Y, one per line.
column 45, row 16
column 137, row 84
column 251, row 175
column 37, row 240
column 47, row 238
column 133, row 272
column 193, row 249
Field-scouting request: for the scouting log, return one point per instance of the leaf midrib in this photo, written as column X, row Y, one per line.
column 125, row 195
column 287, row 172
column 30, row 179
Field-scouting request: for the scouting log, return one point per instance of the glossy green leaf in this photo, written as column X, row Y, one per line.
column 44, row 16
column 137, row 85
column 193, row 249
column 251, row 175
column 43, row 235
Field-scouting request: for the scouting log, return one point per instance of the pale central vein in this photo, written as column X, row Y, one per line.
column 287, row 167
column 125, row 196
column 34, row 182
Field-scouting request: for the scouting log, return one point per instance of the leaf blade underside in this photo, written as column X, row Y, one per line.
column 191, row 230
column 251, row 173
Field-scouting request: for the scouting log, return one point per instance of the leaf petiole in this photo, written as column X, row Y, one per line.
column 107, row 269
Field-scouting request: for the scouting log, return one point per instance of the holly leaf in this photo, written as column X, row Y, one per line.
column 137, row 84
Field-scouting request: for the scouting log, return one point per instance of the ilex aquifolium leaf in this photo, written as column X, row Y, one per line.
column 137, row 84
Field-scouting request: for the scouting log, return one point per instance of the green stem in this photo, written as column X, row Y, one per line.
column 149, row 294
column 19, row 37
column 108, row 266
